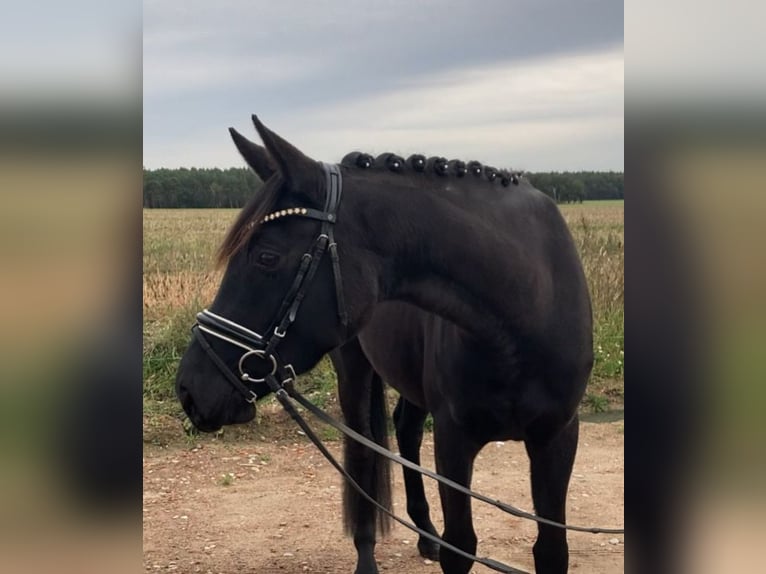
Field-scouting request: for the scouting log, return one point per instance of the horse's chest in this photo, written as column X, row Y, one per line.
column 481, row 392
column 487, row 409
column 393, row 343
column 432, row 364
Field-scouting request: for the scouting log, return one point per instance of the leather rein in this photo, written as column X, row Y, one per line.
column 281, row 377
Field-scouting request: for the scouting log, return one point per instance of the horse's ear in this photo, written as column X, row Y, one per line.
column 255, row 155
column 295, row 167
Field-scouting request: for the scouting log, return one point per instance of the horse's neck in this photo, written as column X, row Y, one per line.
column 447, row 260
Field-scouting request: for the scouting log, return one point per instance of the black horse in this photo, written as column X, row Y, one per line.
column 457, row 284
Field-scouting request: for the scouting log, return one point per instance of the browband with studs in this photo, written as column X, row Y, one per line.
column 289, row 211
column 300, row 212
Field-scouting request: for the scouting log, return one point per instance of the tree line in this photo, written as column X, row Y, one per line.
column 579, row 186
column 193, row 187
column 184, row 187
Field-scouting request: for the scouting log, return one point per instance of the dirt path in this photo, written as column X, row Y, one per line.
column 261, row 507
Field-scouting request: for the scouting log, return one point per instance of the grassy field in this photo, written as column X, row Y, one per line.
column 598, row 228
column 179, row 280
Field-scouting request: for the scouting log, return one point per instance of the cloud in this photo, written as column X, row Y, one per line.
column 540, row 81
column 169, row 77
column 562, row 112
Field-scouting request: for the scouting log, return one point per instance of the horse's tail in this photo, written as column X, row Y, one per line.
column 380, row 470
column 382, row 466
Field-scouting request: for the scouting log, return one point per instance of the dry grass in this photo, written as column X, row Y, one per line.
column 600, row 237
column 599, row 232
column 179, row 279
column 179, row 245
column 178, row 257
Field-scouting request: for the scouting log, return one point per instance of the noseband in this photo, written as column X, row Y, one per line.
column 264, row 347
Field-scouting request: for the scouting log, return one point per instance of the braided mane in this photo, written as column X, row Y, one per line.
column 440, row 166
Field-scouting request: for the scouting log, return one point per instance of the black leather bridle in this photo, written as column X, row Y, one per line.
column 264, row 347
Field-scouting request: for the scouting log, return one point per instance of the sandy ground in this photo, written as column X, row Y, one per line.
column 266, row 507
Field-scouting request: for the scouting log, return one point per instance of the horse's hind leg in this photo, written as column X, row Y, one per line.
column 409, row 420
column 360, row 390
column 551, row 463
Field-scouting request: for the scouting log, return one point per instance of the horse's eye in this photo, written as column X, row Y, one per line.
column 267, row 259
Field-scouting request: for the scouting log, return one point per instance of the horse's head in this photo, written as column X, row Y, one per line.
column 283, row 302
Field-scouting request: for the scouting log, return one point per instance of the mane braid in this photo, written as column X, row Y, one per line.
column 248, row 220
column 437, row 165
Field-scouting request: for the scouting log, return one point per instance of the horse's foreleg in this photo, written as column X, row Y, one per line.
column 551, row 462
column 409, row 420
column 361, row 398
column 455, row 455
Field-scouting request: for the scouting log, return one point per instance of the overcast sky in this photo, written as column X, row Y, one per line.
column 535, row 85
